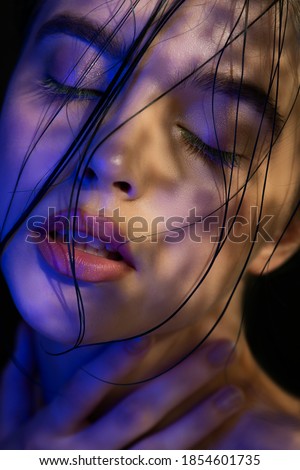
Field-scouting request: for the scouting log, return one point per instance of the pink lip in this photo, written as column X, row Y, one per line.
column 89, row 267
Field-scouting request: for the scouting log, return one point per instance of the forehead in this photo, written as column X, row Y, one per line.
column 203, row 25
column 199, row 34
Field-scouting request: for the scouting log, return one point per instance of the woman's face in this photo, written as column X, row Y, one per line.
column 159, row 171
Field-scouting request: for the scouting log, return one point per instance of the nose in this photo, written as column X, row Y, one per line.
column 109, row 171
column 125, row 164
column 118, row 166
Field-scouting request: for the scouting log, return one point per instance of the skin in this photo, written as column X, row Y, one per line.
column 164, row 272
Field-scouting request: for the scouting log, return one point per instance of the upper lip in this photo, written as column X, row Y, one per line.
column 86, row 228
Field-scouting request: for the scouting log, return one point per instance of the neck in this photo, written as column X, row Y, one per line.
column 166, row 350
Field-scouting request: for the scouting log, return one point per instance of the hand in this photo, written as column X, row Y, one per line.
column 132, row 423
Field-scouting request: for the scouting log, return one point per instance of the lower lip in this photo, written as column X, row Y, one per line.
column 88, row 267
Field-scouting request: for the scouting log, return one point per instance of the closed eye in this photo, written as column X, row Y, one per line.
column 199, row 148
column 60, row 90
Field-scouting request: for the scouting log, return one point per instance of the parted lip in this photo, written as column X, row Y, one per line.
column 69, row 226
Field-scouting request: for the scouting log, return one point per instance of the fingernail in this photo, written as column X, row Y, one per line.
column 138, row 345
column 229, row 399
column 223, row 351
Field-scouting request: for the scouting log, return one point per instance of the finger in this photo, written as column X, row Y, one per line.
column 93, row 382
column 143, row 409
column 262, row 430
column 17, row 384
column 198, row 423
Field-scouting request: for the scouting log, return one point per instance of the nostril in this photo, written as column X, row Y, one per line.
column 89, row 175
column 123, row 186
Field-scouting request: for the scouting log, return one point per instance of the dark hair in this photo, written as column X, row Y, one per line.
column 257, row 318
column 17, row 15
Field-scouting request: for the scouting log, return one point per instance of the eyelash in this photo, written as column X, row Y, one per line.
column 197, row 147
column 59, row 90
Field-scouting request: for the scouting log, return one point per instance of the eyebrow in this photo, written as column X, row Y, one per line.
column 83, row 28
column 105, row 39
column 248, row 92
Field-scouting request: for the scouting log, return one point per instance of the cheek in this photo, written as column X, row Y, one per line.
column 29, row 135
column 38, row 297
column 31, row 146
